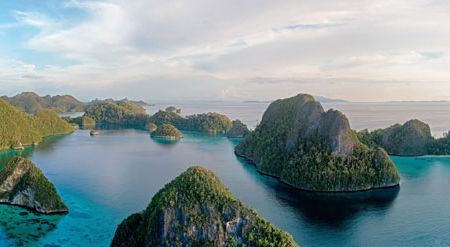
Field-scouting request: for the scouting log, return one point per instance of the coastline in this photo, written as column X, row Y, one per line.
column 27, row 145
column 309, row 190
column 52, row 212
column 173, row 138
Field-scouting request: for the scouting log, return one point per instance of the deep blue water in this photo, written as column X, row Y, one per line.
column 103, row 179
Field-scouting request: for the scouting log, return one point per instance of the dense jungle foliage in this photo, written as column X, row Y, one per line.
column 17, row 126
column 168, row 131
column 212, row 216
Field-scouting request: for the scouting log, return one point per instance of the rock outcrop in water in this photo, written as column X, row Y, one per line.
column 23, row 184
column 196, row 209
column 310, row 149
column 238, row 130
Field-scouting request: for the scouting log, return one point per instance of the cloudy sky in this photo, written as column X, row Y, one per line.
column 227, row 50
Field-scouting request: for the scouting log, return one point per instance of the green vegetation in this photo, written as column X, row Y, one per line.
column 32, row 103
column 166, row 117
column 167, row 131
column 23, row 184
column 83, row 121
column 17, row 126
column 440, row 146
column 238, row 130
column 206, row 122
column 315, row 150
column 127, row 113
column 123, row 112
column 196, row 209
column 413, row 138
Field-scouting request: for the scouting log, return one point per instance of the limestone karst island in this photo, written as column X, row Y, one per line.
column 182, row 123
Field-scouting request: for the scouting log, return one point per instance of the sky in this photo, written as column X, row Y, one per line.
column 356, row 50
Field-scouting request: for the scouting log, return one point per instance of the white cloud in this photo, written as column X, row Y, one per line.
column 221, row 48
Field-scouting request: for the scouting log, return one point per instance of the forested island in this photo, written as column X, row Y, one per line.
column 31, row 103
column 310, row 149
column 412, row 138
column 17, row 127
column 196, row 209
column 167, row 131
column 23, row 184
column 127, row 113
column 121, row 112
column 205, row 122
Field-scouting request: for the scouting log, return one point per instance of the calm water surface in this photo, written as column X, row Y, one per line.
column 103, row 179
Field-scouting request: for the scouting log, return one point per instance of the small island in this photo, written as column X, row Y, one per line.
column 310, row 149
column 413, row 138
column 167, row 131
column 238, row 130
column 23, row 184
column 196, row 209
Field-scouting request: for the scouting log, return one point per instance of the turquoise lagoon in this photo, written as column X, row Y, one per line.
column 105, row 178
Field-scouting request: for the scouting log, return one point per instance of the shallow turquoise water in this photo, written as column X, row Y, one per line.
column 103, row 179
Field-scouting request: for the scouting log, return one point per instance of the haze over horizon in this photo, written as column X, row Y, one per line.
column 213, row 50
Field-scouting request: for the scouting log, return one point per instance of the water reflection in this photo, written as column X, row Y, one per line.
column 165, row 141
column 25, row 228
column 7, row 155
column 336, row 210
column 49, row 144
column 333, row 210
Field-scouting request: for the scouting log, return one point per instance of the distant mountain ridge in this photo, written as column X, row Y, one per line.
column 31, row 103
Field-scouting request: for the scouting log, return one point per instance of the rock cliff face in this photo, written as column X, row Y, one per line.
column 196, row 209
column 311, row 149
column 23, row 184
